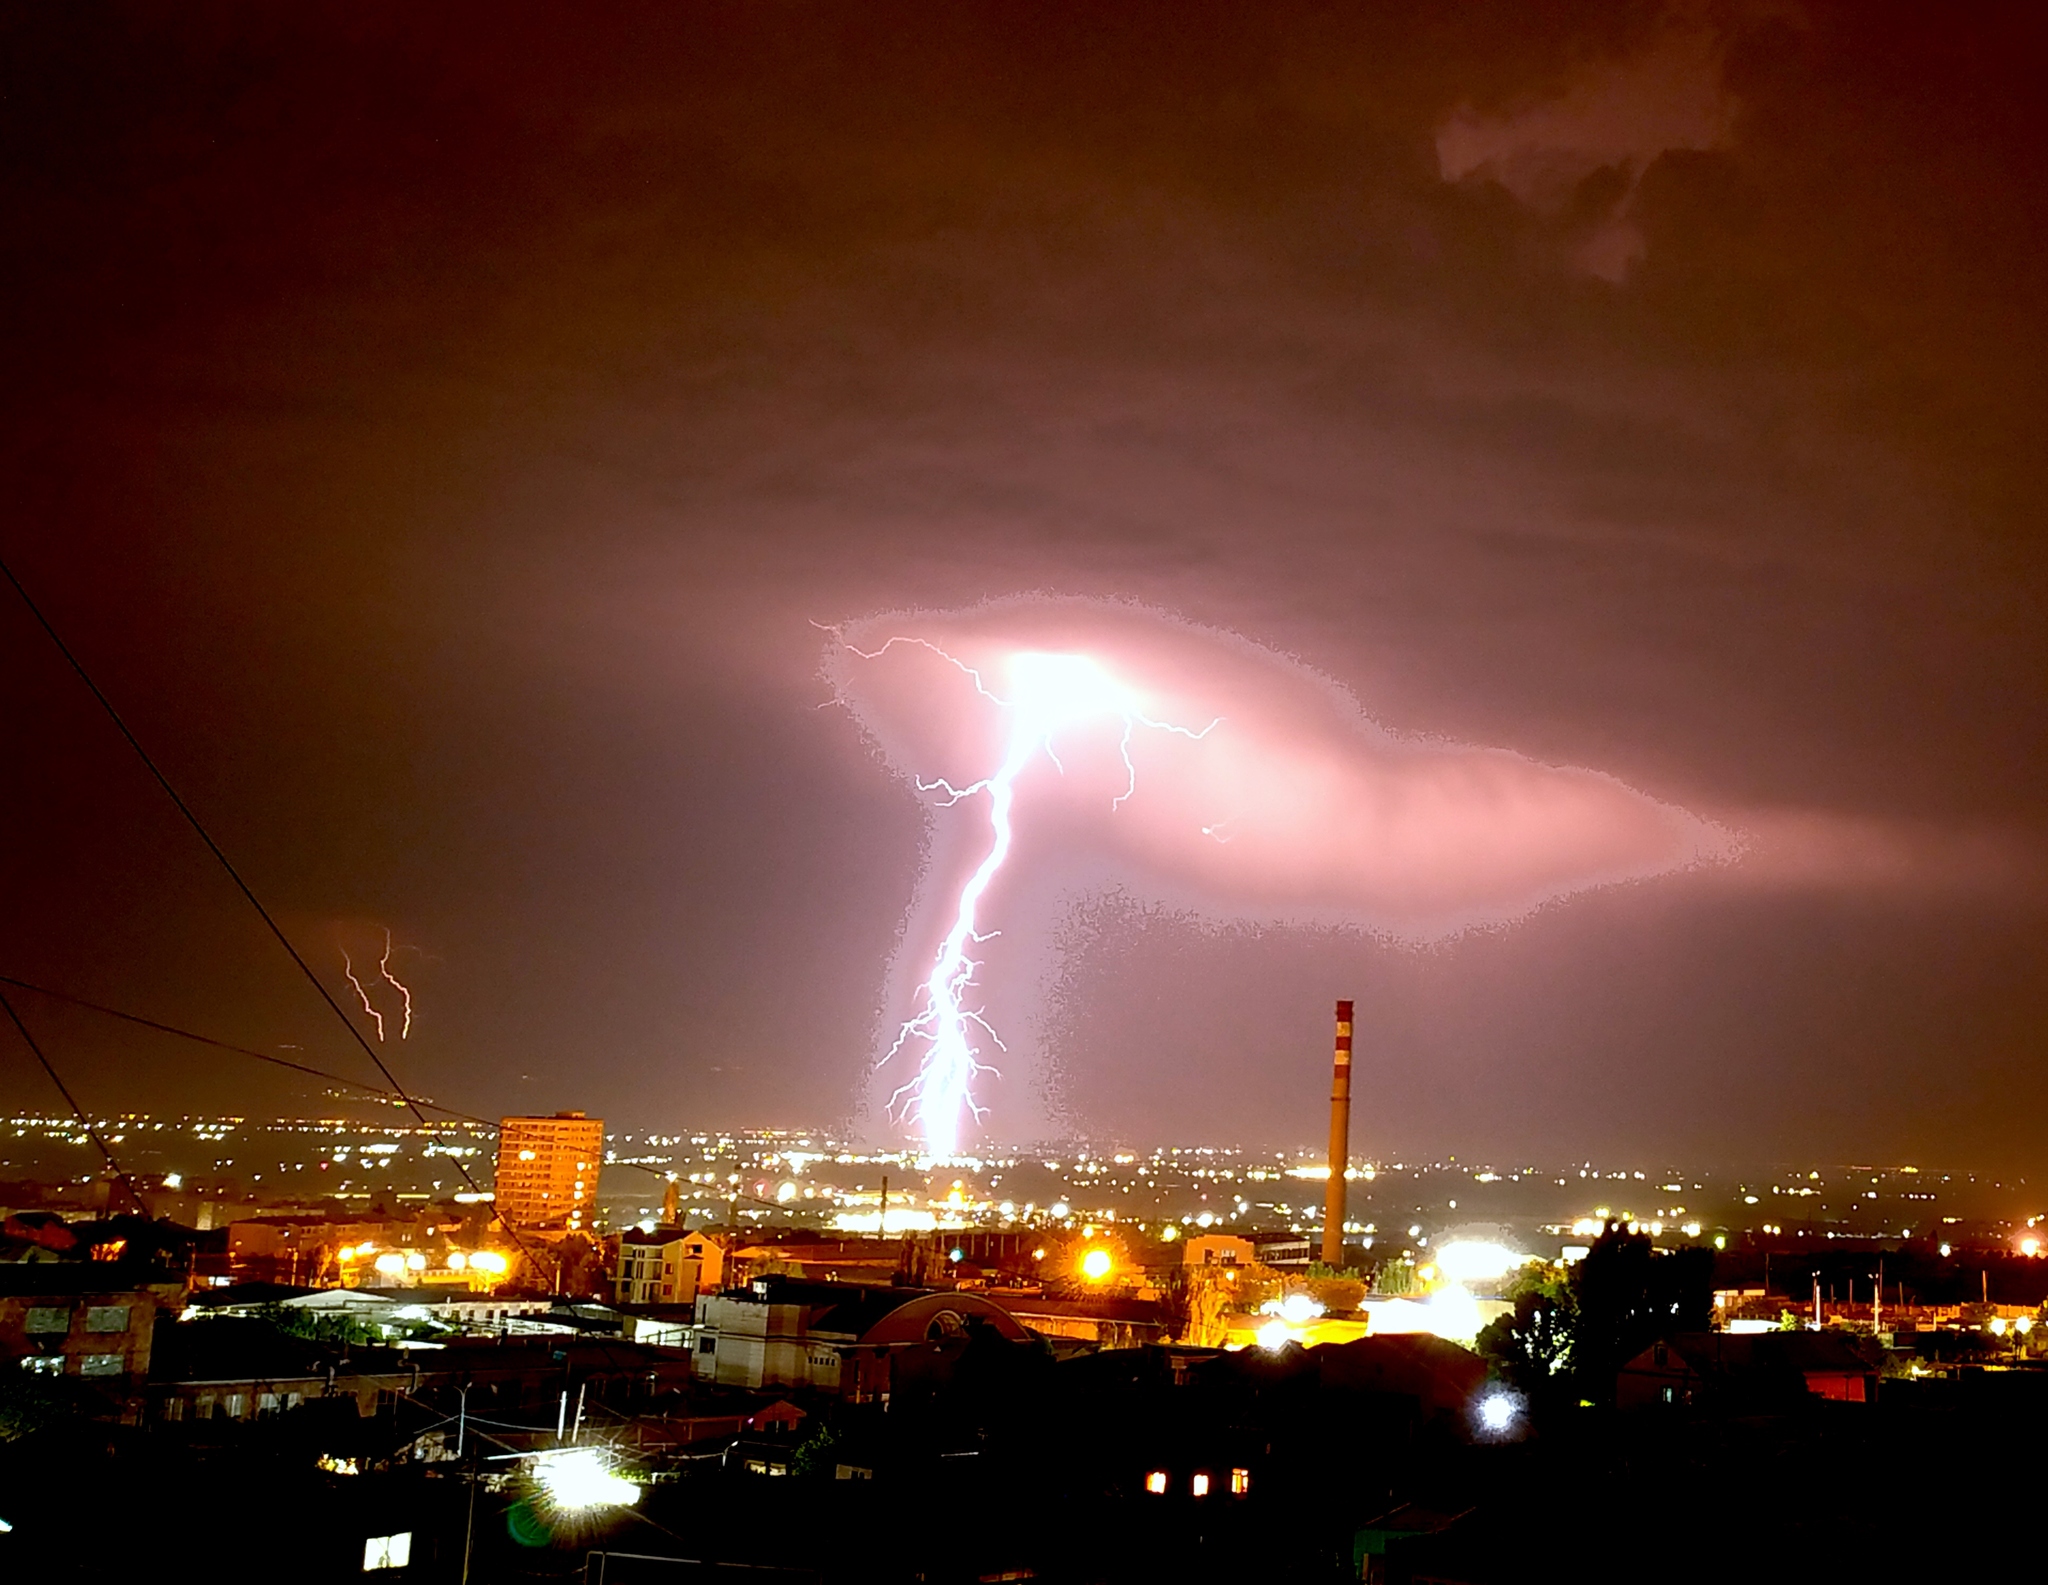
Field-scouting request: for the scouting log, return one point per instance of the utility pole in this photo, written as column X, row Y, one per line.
column 469, row 1521
column 1334, row 1197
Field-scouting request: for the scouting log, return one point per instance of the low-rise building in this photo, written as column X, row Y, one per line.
column 669, row 1266
column 1218, row 1249
column 81, row 1318
column 830, row 1337
column 1747, row 1372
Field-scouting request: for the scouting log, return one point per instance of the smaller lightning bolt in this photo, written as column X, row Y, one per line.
column 384, row 968
column 384, row 973
column 349, row 969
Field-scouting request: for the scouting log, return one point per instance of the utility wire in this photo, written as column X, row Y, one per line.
column 243, row 1051
column 65, row 1090
column 242, row 886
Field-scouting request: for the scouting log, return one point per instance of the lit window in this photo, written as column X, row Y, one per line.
column 387, row 1551
column 1156, row 1482
column 48, row 1318
column 44, row 1364
column 1201, row 1485
column 100, row 1364
column 1240, row 1482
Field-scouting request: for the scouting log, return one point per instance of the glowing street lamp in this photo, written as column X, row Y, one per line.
column 1096, row 1264
column 580, row 1478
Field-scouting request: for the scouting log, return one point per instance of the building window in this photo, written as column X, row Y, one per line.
column 173, row 1409
column 1240, row 1482
column 100, row 1364
column 44, row 1364
column 1200, row 1484
column 387, row 1551
column 707, row 1345
column 234, row 1405
column 266, row 1404
column 48, row 1318
column 106, row 1318
column 1155, row 1482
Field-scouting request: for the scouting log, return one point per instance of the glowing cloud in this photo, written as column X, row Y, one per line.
column 1064, row 748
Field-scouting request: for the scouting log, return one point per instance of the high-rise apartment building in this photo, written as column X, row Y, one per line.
column 547, row 1171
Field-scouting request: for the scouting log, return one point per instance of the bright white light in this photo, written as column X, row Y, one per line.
column 457, row 1260
column 489, row 1261
column 173, row 1181
column 786, row 1193
column 581, row 1477
column 390, row 1265
column 1466, row 1260
column 1053, row 690
column 1497, row 1413
column 1296, row 1308
column 413, row 1262
column 1274, row 1335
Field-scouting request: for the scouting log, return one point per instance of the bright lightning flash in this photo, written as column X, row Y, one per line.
column 1048, row 693
column 384, row 973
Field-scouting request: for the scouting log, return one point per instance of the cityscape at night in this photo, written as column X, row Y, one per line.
column 944, row 794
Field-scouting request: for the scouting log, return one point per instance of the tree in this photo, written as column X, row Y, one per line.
column 1627, row 1295
column 1531, row 1349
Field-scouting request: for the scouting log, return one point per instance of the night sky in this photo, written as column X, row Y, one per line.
column 453, row 438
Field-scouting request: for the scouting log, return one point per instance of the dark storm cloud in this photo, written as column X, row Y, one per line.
column 443, row 433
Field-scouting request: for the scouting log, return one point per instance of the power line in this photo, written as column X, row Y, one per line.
column 78, row 1111
column 241, row 885
column 242, row 1051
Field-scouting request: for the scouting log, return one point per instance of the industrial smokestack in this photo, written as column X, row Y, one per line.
column 1340, row 1142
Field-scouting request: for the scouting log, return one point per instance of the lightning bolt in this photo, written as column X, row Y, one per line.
column 1049, row 692
column 384, row 973
column 349, row 969
column 384, row 968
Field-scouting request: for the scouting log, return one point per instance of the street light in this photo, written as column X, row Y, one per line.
column 577, row 1478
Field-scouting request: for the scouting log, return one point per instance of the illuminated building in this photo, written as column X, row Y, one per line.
column 547, row 1171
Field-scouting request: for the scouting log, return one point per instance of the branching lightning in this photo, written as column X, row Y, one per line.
column 384, row 972
column 1049, row 692
column 362, row 995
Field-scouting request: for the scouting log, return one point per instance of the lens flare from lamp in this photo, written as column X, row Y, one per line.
column 582, row 1477
column 1497, row 1413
